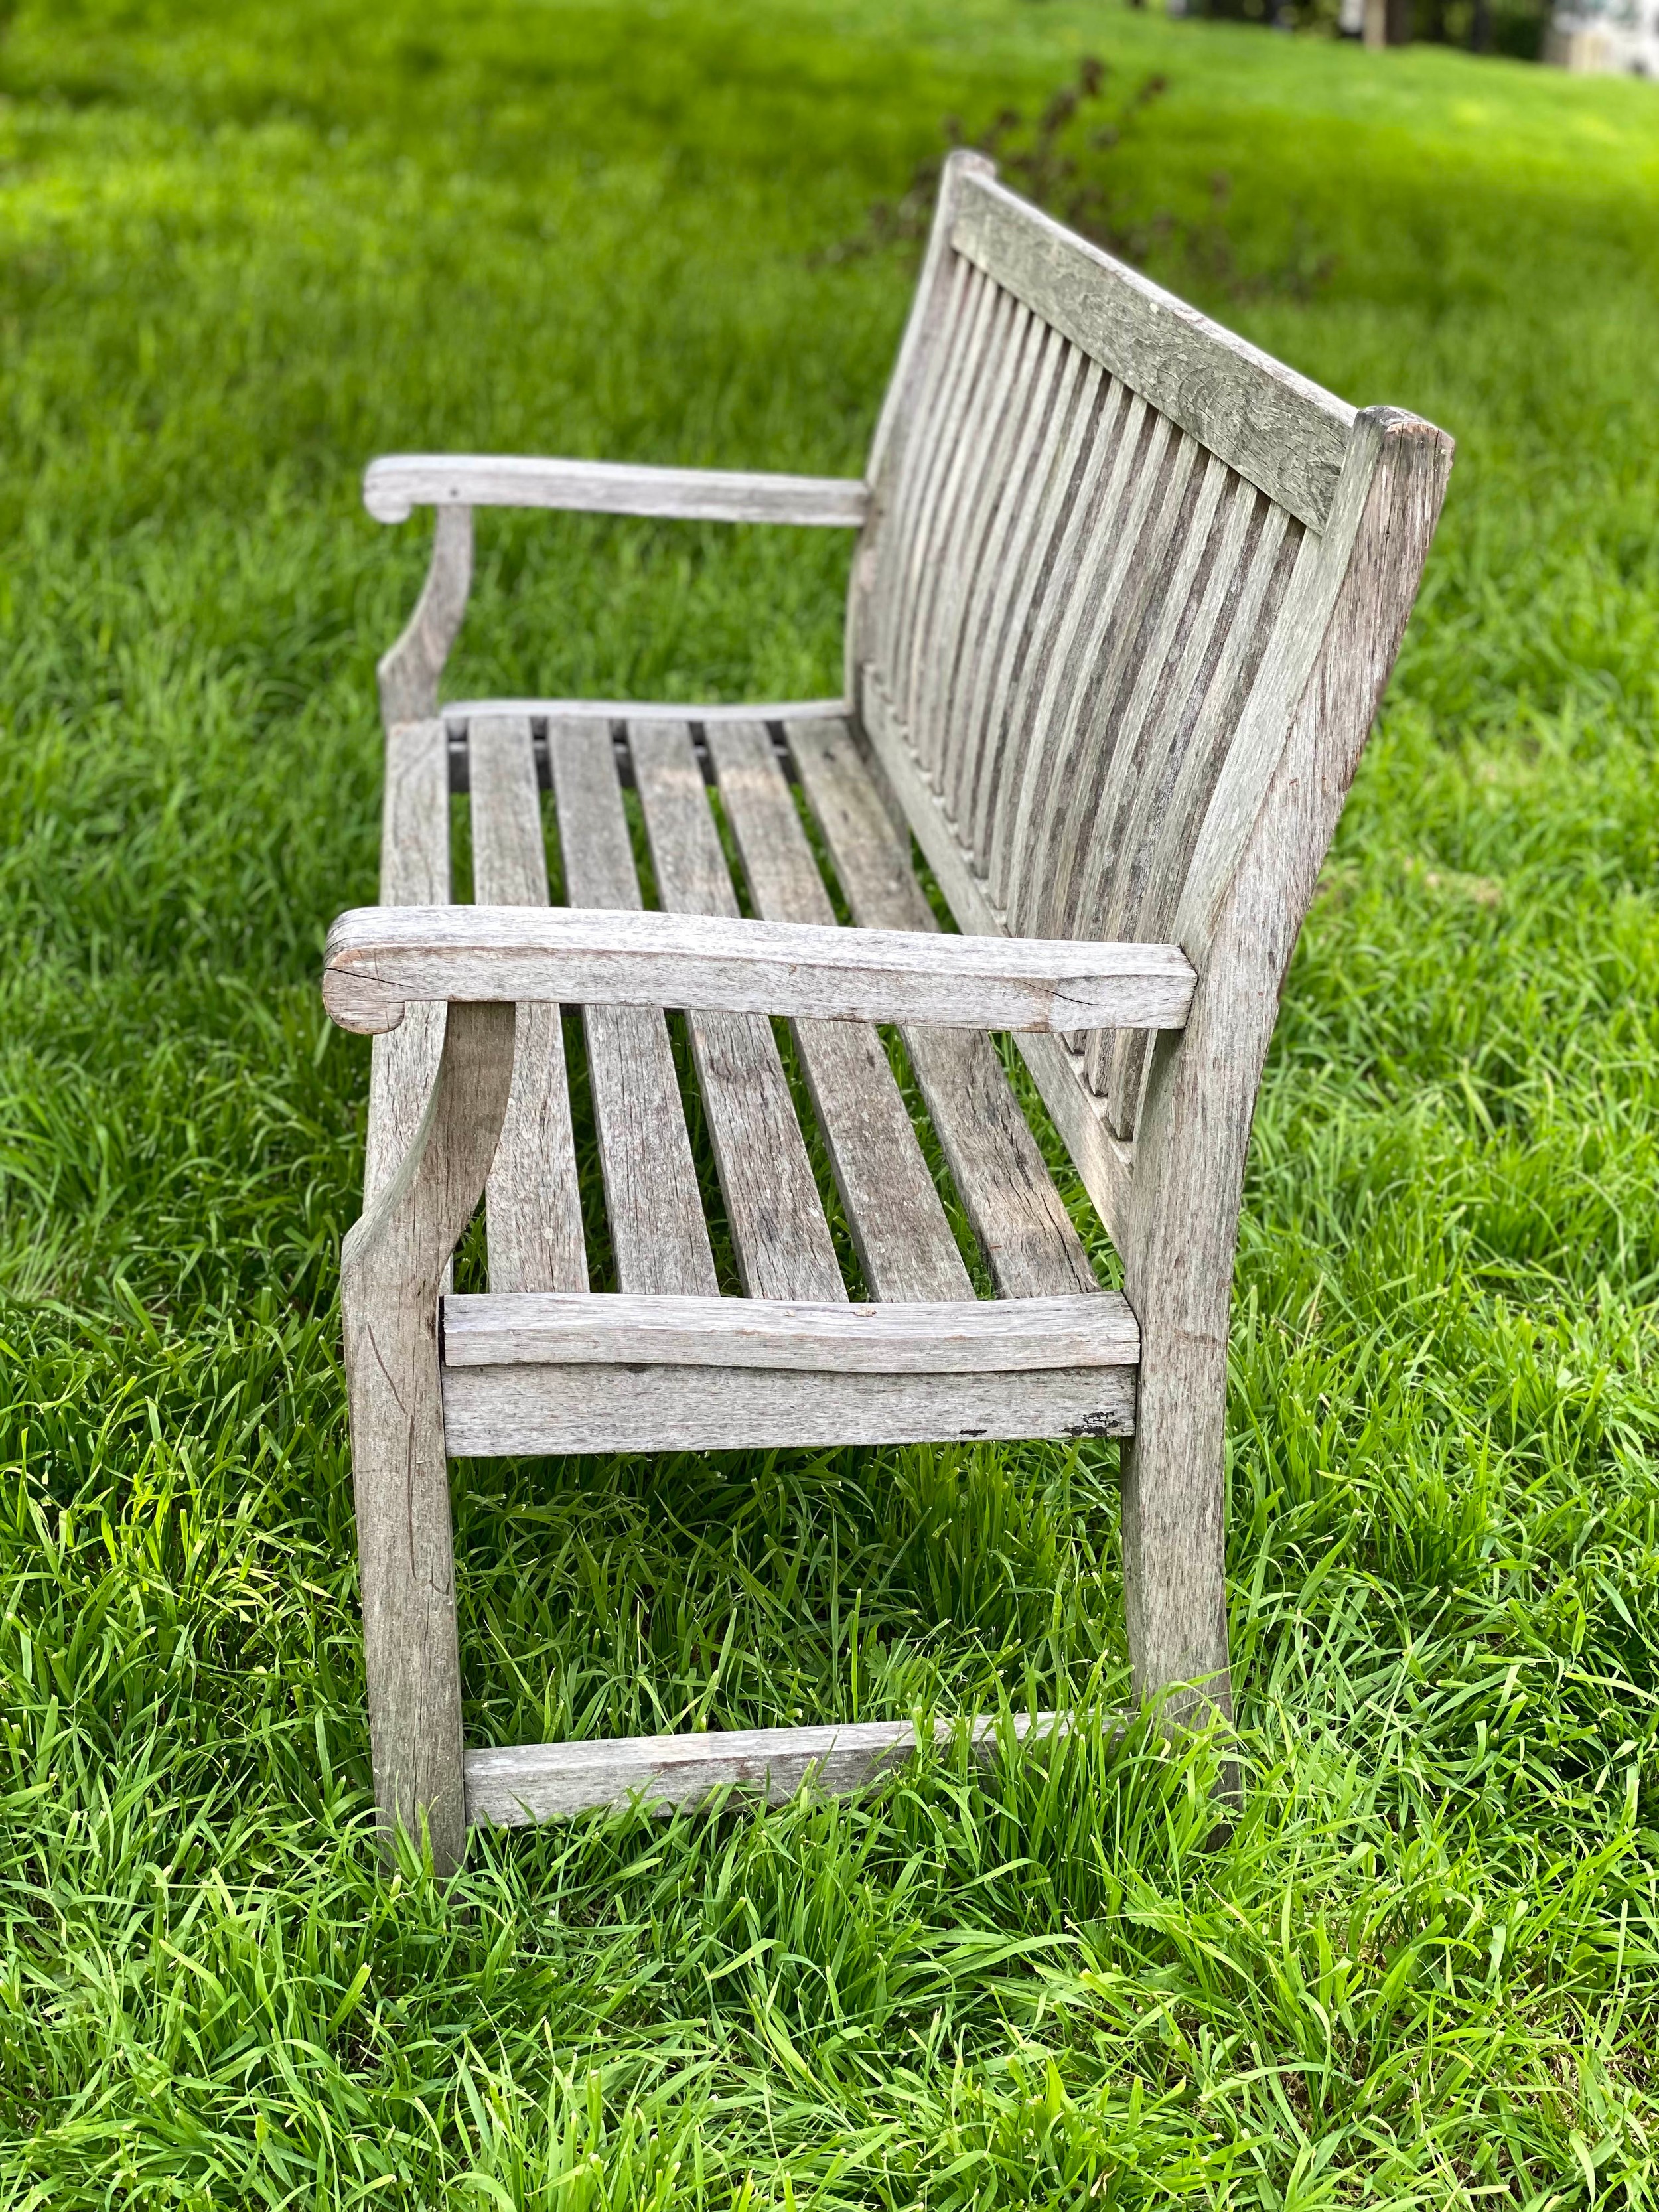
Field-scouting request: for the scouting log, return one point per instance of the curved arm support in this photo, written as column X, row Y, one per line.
column 391, row 1272
column 409, row 673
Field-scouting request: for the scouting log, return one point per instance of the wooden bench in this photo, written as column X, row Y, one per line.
column 1124, row 596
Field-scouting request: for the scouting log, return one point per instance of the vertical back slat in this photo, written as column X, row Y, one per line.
column 778, row 1234
column 1032, row 425
column 1057, row 483
column 657, row 1234
column 900, row 492
column 1117, row 1059
column 1094, row 527
column 1166, row 675
column 532, row 1203
column 934, row 459
column 1055, row 608
column 1064, row 755
column 1062, row 624
column 1068, row 836
column 969, row 484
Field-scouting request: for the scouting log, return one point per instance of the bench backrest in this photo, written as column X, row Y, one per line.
column 1111, row 549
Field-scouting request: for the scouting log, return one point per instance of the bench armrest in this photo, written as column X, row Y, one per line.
column 399, row 482
column 381, row 958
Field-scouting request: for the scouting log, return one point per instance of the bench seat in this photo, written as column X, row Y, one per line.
column 780, row 1238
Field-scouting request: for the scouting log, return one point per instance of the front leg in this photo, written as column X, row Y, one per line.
column 391, row 1269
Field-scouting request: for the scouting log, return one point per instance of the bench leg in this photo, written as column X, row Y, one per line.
column 1174, row 1534
column 391, row 1272
column 406, row 1562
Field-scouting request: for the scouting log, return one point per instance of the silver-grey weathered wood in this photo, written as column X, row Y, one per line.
column 959, row 1337
column 903, row 1240
column 519, row 1787
column 1265, row 837
column 1125, row 594
column 779, row 1233
column 398, row 483
column 457, row 713
column 532, row 1203
column 379, row 960
column 659, row 1237
column 414, row 871
column 1017, row 1214
column 491, row 1412
column 1287, row 435
column 409, row 673
column 390, row 1268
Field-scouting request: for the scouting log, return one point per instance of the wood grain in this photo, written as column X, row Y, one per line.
column 957, row 1337
column 968, row 479
column 1282, row 431
column 1014, row 493
column 390, row 1268
column 1125, row 598
column 380, row 958
column 1113, row 437
column 919, row 347
column 905, row 1247
column 399, row 482
column 491, row 1412
column 457, row 713
column 408, row 672
column 414, row 871
column 779, row 1233
column 1018, row 1216
column 659, row 1237
column 519, row 1786
column 1102, row 1162
column 997, row 729
column 879, row 591
column 533, row 1202
column 1265, row 837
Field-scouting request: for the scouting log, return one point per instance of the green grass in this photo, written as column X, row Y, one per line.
column 243, row 248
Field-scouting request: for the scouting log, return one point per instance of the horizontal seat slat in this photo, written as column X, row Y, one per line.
column 1017, row 1214
column 957, row 1337
column 1104, row 1161
column 779, row 1233
column 1281, row 431
column 904, row 1242
column 531, row 1202
column 659, row 1237
column 656, row 1406
column 380, row 959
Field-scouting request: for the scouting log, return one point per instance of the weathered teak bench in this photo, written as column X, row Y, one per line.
column 1125, row 594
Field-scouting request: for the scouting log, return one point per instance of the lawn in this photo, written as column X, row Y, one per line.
column 242, row 249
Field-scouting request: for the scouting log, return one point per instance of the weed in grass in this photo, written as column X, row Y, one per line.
column 242, row 252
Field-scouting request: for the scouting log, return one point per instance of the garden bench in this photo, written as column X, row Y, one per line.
column 1125, row 594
